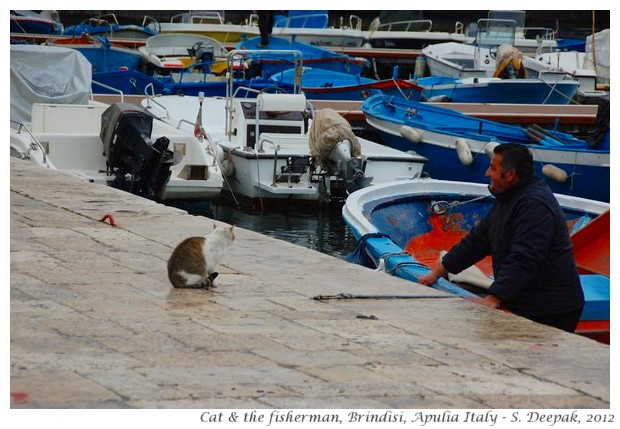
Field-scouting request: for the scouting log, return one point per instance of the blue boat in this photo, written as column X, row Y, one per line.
column 101, row 53
column 402, row 227
column 314, row 56
column 457, row 146
column 497, row 90
column 108, row 26
column 320, row 84
column 31, row 22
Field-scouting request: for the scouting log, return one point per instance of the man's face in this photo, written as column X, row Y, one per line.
column 500, row 180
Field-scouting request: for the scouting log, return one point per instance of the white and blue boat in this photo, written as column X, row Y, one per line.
column 402, row 228
column 497, row 90
column 108, row 26
column 320, row 84
column 458, row 146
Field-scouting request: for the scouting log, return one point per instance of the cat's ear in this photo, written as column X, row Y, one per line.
column 214, row 226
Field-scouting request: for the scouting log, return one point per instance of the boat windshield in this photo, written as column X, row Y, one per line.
column 494, row 32
column 518, row 16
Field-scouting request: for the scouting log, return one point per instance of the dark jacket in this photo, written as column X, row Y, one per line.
column 533, row 264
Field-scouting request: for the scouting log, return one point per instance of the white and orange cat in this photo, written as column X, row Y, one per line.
column 194, row 261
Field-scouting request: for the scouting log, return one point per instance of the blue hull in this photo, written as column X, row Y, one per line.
column 387, row 219
column 589, row 177
column 135, row 83
column 313, row 56
column 517, row 91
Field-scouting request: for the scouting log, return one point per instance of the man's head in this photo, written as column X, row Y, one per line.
column 511, row 162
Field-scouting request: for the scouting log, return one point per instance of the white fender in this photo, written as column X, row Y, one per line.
column 463, row 151
column 488, row 149
column 554, row 173
column 410, row 134
column 228, row 168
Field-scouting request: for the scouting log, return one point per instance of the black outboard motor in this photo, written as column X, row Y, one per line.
column 139, row 165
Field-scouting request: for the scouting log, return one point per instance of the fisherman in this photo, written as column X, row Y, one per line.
column 525, row 233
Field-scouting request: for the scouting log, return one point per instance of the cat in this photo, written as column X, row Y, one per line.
column 193, row 262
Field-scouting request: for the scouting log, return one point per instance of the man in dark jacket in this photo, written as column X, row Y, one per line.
column 535, row 275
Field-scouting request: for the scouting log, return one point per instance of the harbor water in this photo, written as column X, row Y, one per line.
column 320, row 229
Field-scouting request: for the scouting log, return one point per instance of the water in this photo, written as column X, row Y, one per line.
column 323, row 230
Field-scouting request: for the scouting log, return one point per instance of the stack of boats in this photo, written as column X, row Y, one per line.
column 208, row 120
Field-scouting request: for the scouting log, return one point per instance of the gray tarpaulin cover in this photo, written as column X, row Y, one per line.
column 47, row 74
column 329, row 128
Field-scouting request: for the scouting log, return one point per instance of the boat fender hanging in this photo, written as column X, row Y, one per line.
column 489, row 148
column 410, row 134
column 555, row 173
column 227, row 166
column 463, row 151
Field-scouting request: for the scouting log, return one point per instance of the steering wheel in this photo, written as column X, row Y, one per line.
column 493, row 51
column 273, row 90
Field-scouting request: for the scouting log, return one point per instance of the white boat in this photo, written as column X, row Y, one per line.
column 277, row 149
column 170, row 53
column 210, row 23
column 410, row 34
column 493, row 55
column 590, row 68
column 55, row 124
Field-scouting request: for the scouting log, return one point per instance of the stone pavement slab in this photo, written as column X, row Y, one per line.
column 96, row 324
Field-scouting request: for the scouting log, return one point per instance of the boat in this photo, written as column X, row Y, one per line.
column 107, row 25
column 456, row 144
column 493, row 53
column 273, row 152
column 186, row 64
column 210, row 23
column 497, row 90
column 403, row 227
column 591, row 68
column 319, row 84
column 55, row 124
column 312, row 27
column 313, row 56
column 46, row 22
column 104, row 55
column 163, row 54
column 529, row 40
column 410, row 34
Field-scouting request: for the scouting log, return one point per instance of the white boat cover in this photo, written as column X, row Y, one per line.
column 597, row 54
column 329, row 128
column 47, row 74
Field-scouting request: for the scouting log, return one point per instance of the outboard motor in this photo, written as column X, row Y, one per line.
column 139, row 165
column 337, row 149
column 203, row 52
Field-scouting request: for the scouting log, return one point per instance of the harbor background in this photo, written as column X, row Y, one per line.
column 569, row 23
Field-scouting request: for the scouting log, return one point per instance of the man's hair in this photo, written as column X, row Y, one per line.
column 516, row 156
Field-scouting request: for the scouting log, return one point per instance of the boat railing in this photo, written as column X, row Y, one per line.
column 150, row 98
column 459, row 28
column 34, row 144
column 355, row 22
column 423, row 25
column 542, row 33
column 237, row 56
column 110, row 88
column 103, row 20
column 264, row 140
column 199, row 17
column 152, row 23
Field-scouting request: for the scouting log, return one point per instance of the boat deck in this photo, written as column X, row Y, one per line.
column 96, row 324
